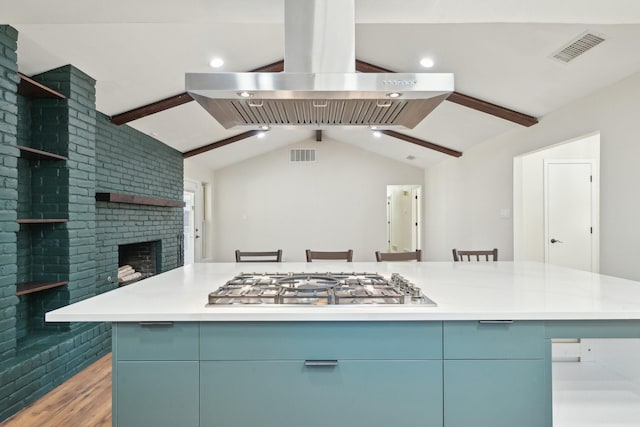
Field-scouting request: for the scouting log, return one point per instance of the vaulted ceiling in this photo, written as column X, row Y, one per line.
column 500, row 51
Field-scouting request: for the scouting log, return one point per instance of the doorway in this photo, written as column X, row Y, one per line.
column 533, row 229
column 193, row 225
column 569, row 212
column 404, row 218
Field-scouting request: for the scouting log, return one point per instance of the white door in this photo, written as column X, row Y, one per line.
column 389, row 223
column 189, row 227
column 569, row 213
column 416, row 199
column 194, row 233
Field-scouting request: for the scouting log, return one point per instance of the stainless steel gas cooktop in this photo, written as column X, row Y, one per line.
column 318, row 289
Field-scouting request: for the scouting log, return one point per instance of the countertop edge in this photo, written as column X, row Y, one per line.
column 335, row 317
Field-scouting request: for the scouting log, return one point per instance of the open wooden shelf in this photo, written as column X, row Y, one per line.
column 138, row 200
column 41, row 220
column 30, row 88
column 30, row 287
column 34, row 154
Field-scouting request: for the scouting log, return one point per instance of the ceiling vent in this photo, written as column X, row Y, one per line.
column 300, row 155
column 577, row 47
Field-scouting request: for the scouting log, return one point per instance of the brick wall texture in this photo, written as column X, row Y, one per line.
column 8, row 190
column 123, row 166
column 36, row 356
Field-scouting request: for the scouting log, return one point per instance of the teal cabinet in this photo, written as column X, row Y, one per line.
column 155, row 374
column 495, row 393
column 319, row 374
column 495, row 374
column 156, row 341
column 354, row 393
column 320, row 340
column 494, row 340
column 156, row 393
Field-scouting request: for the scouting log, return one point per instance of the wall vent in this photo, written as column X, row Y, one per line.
column 297, row 155
column 578, row 46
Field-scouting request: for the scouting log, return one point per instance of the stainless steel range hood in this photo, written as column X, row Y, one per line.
column 319, row 85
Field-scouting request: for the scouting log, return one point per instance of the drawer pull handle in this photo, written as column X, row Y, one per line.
column 320, row 363
column 152, row 324
column 496, row 322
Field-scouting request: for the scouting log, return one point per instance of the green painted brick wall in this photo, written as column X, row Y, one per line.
column 102, row 157
column 8, row 189
column 133, row 163
column 78, row 139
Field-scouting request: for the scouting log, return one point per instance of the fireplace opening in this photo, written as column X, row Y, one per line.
column 137, row 261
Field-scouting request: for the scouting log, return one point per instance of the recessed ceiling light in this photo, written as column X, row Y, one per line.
column 427, row 62
column 264, row 127
column 261, row 134
column 245, row 94
column 394, row 95
column 377, row 134
column 374, row 127
column 216, row 63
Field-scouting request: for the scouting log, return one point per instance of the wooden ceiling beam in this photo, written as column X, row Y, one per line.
column 221, row 143
column 176, row 100
column 493, row 109
column 275, row 67
column 365, row 67
column 422, row 143
column 465, row 100
column 149, row 109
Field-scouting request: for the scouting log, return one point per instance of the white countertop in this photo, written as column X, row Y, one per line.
column 463, row 291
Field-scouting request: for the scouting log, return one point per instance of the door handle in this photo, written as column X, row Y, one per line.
column 320, row 363
column 556, row 241
column 495, row 322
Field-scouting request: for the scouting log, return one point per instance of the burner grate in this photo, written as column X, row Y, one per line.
column 317, row 289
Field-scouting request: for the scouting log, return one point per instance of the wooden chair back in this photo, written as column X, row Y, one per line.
column 459, row 255
column 344, row 255
column 273, row 256
column 399, row 256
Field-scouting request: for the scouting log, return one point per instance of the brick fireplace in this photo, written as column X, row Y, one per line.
column 143, row 259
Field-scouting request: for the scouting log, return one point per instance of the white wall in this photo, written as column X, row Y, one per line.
column 528, row 215
column 464, row 196
column 196, row 171
column 336, row 203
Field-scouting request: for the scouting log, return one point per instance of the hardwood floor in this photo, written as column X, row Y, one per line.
column 82, row 401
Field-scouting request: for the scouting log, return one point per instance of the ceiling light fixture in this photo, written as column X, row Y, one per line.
column 427, row 62
column 374, row 127
column 261, row 134
column 394, row 95
column 377, row 134
column 264, row 127
column 245, row 94
column 216, row 63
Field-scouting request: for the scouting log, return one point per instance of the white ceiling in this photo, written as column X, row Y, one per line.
column 498, row 50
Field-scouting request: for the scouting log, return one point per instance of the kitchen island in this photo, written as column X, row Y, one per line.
column 482, row 357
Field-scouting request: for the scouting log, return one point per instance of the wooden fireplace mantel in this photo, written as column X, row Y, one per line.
column 138, row 200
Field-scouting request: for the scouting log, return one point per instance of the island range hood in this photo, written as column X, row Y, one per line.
column 319, row 85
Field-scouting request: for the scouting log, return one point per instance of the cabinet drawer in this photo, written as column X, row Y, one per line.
column 155, row 341
column 320, row 340
column 495, row 393
column 479, row 340
column 158, row 394
column 354, row 393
